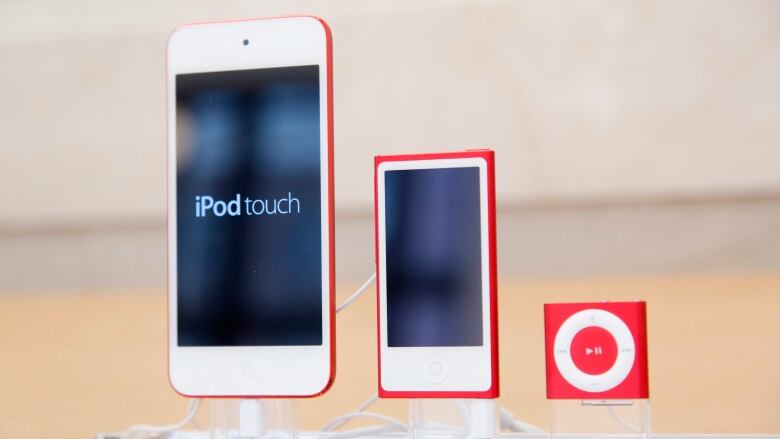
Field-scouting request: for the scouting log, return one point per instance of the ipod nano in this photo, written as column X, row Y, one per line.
column 436, row 275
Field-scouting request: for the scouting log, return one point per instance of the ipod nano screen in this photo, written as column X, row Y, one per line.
column 433, row 257
column 249, row 227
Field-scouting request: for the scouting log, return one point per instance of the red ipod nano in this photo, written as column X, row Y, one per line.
column 436, row 370
column 596, row 350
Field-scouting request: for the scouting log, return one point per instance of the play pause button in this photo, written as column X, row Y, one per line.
column 594, row 350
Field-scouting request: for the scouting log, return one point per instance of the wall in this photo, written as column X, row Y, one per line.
column 587, row 104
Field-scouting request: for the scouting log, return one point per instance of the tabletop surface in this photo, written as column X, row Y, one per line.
column 75, row 363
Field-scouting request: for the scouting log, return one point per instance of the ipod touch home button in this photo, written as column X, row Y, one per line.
column 435, row 370
column 250, row 373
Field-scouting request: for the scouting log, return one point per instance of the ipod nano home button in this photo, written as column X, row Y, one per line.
column 435, row 370
column 250, row 373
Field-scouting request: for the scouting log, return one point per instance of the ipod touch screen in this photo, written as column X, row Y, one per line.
column 249, row 217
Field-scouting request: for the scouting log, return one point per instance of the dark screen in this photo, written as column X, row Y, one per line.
column 248, row 199
column 433, row 257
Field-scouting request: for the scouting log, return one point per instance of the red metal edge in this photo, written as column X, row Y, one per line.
column 331, row 228
column 548, row 360
column 489, row 156
column 644, row 364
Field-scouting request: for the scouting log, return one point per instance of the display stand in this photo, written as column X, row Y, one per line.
column 253, row 418
column 453, row 418
column 428, row 419
column 628, row 418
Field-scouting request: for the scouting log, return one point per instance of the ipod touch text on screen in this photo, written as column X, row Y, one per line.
column 248, row 196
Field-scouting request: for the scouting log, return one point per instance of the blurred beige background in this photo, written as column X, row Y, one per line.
column 638, row 148
column 657, row 121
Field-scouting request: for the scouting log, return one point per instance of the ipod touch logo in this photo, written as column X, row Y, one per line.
column 205, row 205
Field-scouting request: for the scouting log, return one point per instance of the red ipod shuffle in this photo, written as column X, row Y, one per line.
column 596, row 350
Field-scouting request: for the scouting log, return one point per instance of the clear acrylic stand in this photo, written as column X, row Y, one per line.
column 253, row 418
column 435, row 419
column 453, row 419
column 629, row 418
column 428, row 419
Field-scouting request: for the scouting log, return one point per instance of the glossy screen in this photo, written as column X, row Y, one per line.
column 248, row 198
column 433, row 257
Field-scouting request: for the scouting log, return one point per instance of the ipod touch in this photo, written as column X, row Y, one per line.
column 250, row 208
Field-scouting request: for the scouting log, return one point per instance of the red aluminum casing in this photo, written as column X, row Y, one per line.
column 489, row 157
column 633, row 314
column 331, row 226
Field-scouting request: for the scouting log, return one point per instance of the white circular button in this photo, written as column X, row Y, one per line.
column 625, row 350
column 250, row 373
column 436, row 372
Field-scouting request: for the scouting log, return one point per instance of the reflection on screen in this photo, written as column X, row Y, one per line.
column 248, row 199
column 433, row 258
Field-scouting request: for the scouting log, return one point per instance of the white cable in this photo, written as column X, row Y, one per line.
column 508, row 421
column 359, row 292
column 360, row 432
column 389, row 420
column 192, row 410
column 524, row 427
column 620, row 421
column 370, row 401
column 342, row 420
column 334, row 425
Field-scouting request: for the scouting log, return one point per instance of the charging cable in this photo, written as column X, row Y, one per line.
column 359, row 292
column 625, row 424
column 364, row 432
column 391, row 424
column 337, row 423
column 508, row 422
column 133, row 430
column 621, row 421
column 389, row 420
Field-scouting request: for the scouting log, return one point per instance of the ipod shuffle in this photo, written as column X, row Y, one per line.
column 596, row 350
